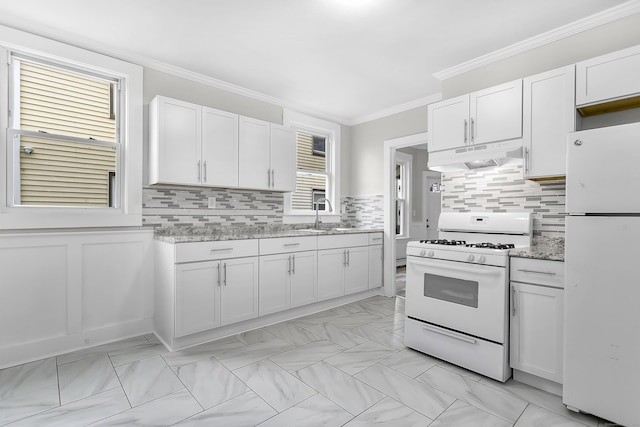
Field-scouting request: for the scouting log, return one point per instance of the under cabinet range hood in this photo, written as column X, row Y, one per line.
column 476, row 156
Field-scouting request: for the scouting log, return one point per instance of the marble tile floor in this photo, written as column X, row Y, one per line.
column 342, row 367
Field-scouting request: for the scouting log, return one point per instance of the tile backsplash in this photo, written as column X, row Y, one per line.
column 189, row 207
column 504, row 189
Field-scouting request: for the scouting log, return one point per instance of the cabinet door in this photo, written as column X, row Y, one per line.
column 331, row 266
column 219, row 148
column 496, row 113
column 283, row 158
column 175, row 143
column 239, row 296
column 304, row 278
column 548, row 115
column 448, row 123
column 275, row 272
column 357, row 272
column 254, row 154
column 197, row 298
column 607, row 77
column 537, row 325
column 375, row 266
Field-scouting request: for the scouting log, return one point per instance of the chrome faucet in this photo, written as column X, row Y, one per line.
column 317, row 226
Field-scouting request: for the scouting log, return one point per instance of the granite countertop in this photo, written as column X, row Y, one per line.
column 207, row 234
column 548, row 248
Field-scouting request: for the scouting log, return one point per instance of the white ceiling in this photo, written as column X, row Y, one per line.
column 348, row 60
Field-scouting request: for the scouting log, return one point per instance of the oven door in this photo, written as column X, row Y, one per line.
column 469, row 298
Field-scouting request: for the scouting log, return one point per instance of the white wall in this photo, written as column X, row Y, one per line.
column 66, row 291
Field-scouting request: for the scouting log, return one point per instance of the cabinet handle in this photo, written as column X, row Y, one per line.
column 548, row 273
column 348, row 256
column 294, row 264
column 344, row 258
column 268, row 178
column 218, row 274
column 224, row 267
column 204, row 167
column 377, row 238
column 221, row 249
column 513, row 301
column 273, row 178
column 473, row 132
column 291, row 244
column 465, row 131
column 289, row 265
column 526, row 161
column 198, row 170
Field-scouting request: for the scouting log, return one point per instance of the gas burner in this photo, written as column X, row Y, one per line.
column 445, row 242
column 491, row 245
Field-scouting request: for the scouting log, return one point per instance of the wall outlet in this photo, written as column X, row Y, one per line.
column 212, row 202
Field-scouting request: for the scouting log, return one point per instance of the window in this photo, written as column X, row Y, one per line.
column 317, row 143
column 64, row 128
column 402, row 193
column 71, row 139
column 312, row 176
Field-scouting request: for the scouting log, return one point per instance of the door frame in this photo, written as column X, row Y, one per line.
column 390, row 147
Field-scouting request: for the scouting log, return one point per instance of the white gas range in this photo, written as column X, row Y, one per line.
column 457, row 300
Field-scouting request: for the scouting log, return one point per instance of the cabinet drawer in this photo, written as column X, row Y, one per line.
column 343, row 241
column 288, row 244
column 202, row 251
column 537, row 271
column 375, row 238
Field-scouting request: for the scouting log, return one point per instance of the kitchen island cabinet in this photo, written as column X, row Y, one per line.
column 488, row 115
column 537, row 322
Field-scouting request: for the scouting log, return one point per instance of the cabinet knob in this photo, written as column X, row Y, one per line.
column 577, row 142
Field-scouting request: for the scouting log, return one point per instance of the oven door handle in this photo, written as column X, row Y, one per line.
column 450, row 334
column 450, row 267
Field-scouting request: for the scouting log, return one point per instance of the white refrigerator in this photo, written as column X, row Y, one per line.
column 602, row 268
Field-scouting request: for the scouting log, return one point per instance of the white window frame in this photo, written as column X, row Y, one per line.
column 405, row 160
column 315, row 126
column 129, row 210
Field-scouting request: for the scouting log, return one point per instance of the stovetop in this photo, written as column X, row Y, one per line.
column 485, row 245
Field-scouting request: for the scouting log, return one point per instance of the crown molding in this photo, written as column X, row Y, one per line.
column 397, row 109
column 613, row 14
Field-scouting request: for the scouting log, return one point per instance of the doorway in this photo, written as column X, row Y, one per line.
column 424, row 210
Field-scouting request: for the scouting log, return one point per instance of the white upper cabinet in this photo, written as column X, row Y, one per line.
column 496, row 113
column 489, row 115
column 448, row 123
column 194, row 145
column 219, row 148
column 548, row 115
column 174, row 141
column 267, row 156
column 283, row 158
column 608, row 77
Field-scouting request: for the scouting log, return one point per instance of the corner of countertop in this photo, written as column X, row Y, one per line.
column 542, row 247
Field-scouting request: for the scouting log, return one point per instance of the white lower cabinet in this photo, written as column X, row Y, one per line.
column 537, row 318
column 343, row 265
column 286, row 281
column 215, row 293
column 376, row 255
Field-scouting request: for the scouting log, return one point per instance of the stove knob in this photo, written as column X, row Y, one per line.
column 423, row 252
column 470, row 257
column 431, row 254
column 482, row 259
